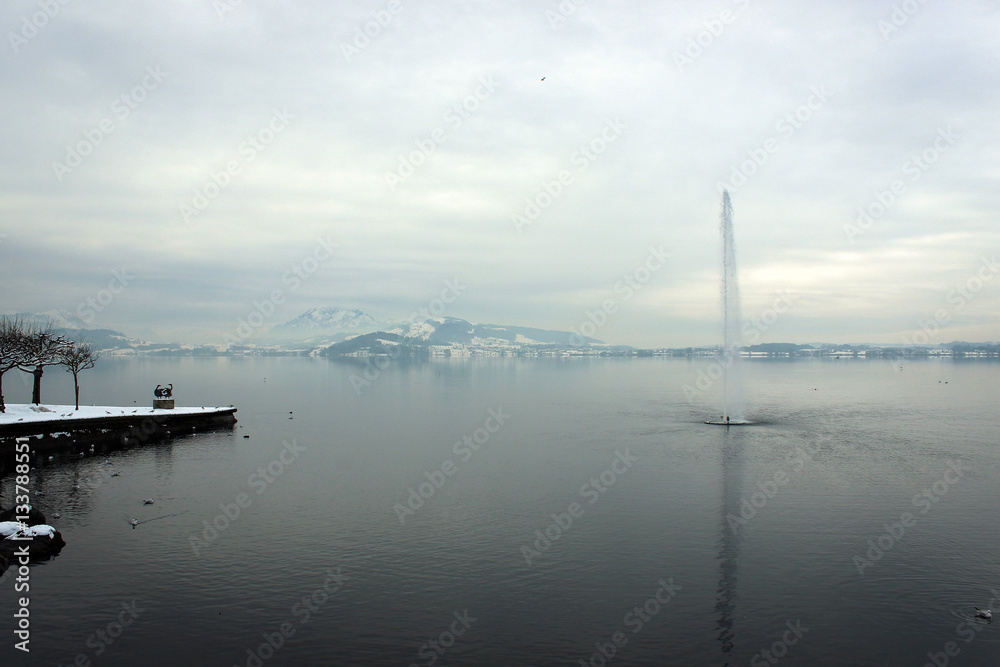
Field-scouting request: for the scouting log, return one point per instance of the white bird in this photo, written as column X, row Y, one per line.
column 984, row 613
column 147, row 501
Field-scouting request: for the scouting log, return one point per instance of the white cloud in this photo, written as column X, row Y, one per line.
column 687, row 129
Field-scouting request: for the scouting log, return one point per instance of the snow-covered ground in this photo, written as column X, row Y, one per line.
column 20, row 413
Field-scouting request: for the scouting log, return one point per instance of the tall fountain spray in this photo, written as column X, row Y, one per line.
column 732, row 324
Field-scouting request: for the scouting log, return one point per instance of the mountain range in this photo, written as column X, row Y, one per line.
column 67, row 324
column 451, row 336
column 56, row 319
column 331, row 330
column 326, row 320
column 334, row 331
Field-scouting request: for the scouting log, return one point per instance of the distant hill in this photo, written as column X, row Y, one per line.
column 59, row 318
column 775, row 348
column 101, row 339
column 325, row 321
column 335, row 331
column 452, row 330
column 64, row 323
column 458, row 335
column 378, row 342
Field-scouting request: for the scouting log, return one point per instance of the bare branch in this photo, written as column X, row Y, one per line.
column 78, row 358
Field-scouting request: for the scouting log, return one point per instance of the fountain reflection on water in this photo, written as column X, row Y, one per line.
column 729, row 541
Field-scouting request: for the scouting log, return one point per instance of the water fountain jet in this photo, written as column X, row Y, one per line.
column 732, row 325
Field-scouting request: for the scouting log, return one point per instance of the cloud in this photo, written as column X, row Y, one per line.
column 418, row 82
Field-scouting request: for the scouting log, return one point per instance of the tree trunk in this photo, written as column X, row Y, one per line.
column 76, row 389
column 36, row 390
column 3, row 407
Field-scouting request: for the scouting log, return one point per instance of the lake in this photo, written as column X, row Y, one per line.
column 526, row 512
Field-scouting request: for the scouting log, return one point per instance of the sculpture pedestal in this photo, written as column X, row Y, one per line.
column 163, row 404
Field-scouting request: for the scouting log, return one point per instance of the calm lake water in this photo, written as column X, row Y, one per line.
column 554, row 509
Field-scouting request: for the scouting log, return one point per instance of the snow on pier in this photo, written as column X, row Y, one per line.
column 31, row 414
column 56, row 429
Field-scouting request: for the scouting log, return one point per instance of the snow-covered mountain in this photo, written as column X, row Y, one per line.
column 460, row 336
column 452, row 330
column 59, row 318
column 346, row 331
column 326, row 320
column 68, row 325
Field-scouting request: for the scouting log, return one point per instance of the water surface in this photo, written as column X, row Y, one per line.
column 841, row 450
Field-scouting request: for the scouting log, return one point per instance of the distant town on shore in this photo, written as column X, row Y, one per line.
column 351, row 333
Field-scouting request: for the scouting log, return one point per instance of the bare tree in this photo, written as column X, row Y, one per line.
column 12, row 348
column 78, row 357
column 42, row 348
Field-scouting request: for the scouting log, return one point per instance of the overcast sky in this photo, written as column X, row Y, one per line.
column 217, row 155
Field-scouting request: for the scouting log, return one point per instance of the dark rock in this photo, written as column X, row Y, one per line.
column 40, row 548
column 35, row 517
